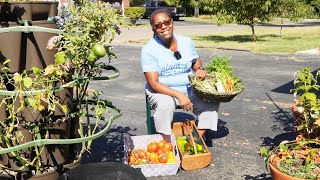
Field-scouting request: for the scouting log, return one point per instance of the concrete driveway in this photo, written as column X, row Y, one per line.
column 259, row 116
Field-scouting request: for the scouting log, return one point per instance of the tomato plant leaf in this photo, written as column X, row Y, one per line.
column 36, row 70
column 27, row 82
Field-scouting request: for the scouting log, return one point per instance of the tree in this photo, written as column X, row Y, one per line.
column 294, row 10
column 136, row 2
column 173, row 2
column 315, row 4
column 196, row 5
column 247, row 12
column 253, row 12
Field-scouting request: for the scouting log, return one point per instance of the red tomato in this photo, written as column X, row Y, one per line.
column 160, row 151
column 162, row 143
column 163, row 158
column 153, row 157
column 142, row 154
column 133, row 160
column 153, row 147
column 168, row 147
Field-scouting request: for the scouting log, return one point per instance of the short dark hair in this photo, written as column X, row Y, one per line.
column 158, row 11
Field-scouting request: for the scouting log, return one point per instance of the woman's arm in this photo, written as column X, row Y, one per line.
column 153, row 80
column 200, row 71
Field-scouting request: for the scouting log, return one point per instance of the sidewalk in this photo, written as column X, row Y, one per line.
column 258, row 117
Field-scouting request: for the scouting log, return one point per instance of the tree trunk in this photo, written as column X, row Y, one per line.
column 254, row 38
column 196, row 12
column 282, row 22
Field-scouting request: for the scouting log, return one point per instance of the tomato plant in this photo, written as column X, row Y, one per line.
column 92, row 57
column 60, row 57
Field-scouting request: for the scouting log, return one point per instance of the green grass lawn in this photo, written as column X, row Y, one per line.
column 202, row 18
column 293, row 39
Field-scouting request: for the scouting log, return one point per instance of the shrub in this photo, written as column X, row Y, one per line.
column 134, row 13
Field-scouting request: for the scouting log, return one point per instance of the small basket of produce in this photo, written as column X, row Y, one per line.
column 219, row 85
column 193, row 150
column 154, row 155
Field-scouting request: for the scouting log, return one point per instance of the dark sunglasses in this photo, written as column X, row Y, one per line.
column 166, row 23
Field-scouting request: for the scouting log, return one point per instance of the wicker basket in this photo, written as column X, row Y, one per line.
column 216, row 96
column 196, row 161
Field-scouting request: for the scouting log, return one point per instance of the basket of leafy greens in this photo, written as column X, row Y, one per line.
column 219, row 85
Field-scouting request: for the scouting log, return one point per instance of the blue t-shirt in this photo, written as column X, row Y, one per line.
column 157, row 58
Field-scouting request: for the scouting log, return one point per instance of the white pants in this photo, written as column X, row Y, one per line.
column 164, row 107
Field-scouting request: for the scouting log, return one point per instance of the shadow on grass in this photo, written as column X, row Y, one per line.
column 299, row 24
column 241, row 38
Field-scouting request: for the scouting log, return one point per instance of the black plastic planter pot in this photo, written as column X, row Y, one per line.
column 31, row 10
column 26, row 48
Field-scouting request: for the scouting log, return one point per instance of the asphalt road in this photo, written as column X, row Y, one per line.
column 258, row 117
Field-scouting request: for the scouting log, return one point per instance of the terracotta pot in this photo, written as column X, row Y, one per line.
column 278, row 175
column 70, row 166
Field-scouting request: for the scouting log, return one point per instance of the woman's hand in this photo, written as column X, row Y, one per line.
column 185, row 102
column 200, row 74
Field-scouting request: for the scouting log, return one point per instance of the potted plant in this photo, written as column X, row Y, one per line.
column 300, row 159
column 35, row 123
column 306, row 108
column 294, row 160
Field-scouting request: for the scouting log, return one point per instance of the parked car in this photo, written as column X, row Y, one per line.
column 175, row 12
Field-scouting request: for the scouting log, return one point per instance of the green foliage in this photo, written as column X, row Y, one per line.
column 315, row 4
column 221, row 65
column 219, row 77
column 253, row 12
column 247, row 12
column 136, row 2
column 306, row 86
column 294, row 10
column 173, row 2
column 41, row 102
column 268, row 41
column 134, row 13
column 297, row 159
column 91, row 23
column 19, row 0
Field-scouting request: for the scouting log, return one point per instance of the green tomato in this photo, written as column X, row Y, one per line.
column 199, row 147
column 99, row 50
column 60, row 57
column 91, row 57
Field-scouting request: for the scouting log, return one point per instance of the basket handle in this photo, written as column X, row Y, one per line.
column 189, row 123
